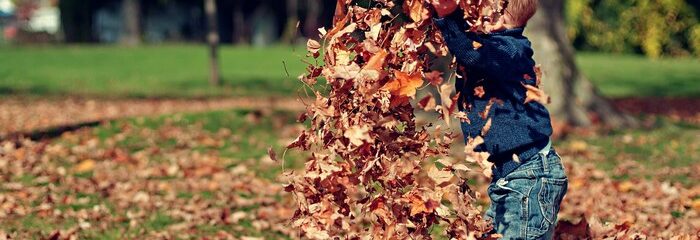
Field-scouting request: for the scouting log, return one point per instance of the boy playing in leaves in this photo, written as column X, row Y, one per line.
column 495, row 89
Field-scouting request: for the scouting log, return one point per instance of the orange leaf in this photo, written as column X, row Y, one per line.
column 85, row 166
column 417, row 11
column 404, row 84
column 376, row 62
column 476, row 45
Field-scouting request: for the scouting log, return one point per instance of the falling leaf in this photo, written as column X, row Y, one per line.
column 404, row 84
column 487, row 127
column 479, row 91
column 313, row 46
column 439, row 176
column 427, row 103
column 272, row 154
column 434, row 77
column 535, row 94
column 476, row 45
column 376, row 62
column 417, row 11
column 358, row 135
column 538, row 74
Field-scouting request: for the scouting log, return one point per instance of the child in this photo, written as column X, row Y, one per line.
column 528, row 177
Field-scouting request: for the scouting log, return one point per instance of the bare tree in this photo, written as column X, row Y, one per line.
column 131, row 11
column 574, row 98
column 213, row 40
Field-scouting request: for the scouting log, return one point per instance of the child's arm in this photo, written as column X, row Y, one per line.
column 495, row 56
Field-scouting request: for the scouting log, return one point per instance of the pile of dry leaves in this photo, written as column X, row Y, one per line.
column 363, row 178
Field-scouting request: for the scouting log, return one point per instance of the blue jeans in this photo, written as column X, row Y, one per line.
column 525, row 203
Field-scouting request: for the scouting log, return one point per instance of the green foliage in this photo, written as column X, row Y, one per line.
column 652, row 27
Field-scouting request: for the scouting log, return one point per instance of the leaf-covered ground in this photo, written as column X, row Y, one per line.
column 189, row 176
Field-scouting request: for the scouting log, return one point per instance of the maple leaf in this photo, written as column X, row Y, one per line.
column 404, row 84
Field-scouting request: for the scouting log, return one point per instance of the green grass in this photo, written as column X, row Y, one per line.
column 150, row 71
column 637, row 76
column 182, row 71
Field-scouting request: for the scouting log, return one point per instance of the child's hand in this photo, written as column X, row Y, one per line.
column 444, row 7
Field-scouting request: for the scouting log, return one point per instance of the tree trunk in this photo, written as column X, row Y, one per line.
column 313, row 13
column 213, row 40
column 240, row 34
column 290, row 30
column 131, row 11
column 575, row 101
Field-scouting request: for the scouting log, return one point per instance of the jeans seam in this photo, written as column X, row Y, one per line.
column 526, row 212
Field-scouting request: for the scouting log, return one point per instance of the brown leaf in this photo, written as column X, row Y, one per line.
column 427, row 103
column 434, row 77
column 535, row 94
column 486, row 128
column 479, row 91
column 313, row 46
column 272, row 154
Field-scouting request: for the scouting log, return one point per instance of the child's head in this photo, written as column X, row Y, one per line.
column 519, row 12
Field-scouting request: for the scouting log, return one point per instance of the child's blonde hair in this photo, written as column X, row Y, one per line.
column 521, row 11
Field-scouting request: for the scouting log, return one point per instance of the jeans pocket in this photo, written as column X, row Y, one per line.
column 551, row 193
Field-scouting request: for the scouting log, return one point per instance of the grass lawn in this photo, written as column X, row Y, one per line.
column 181, row 71
column 150, row 71
column 637, row 76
